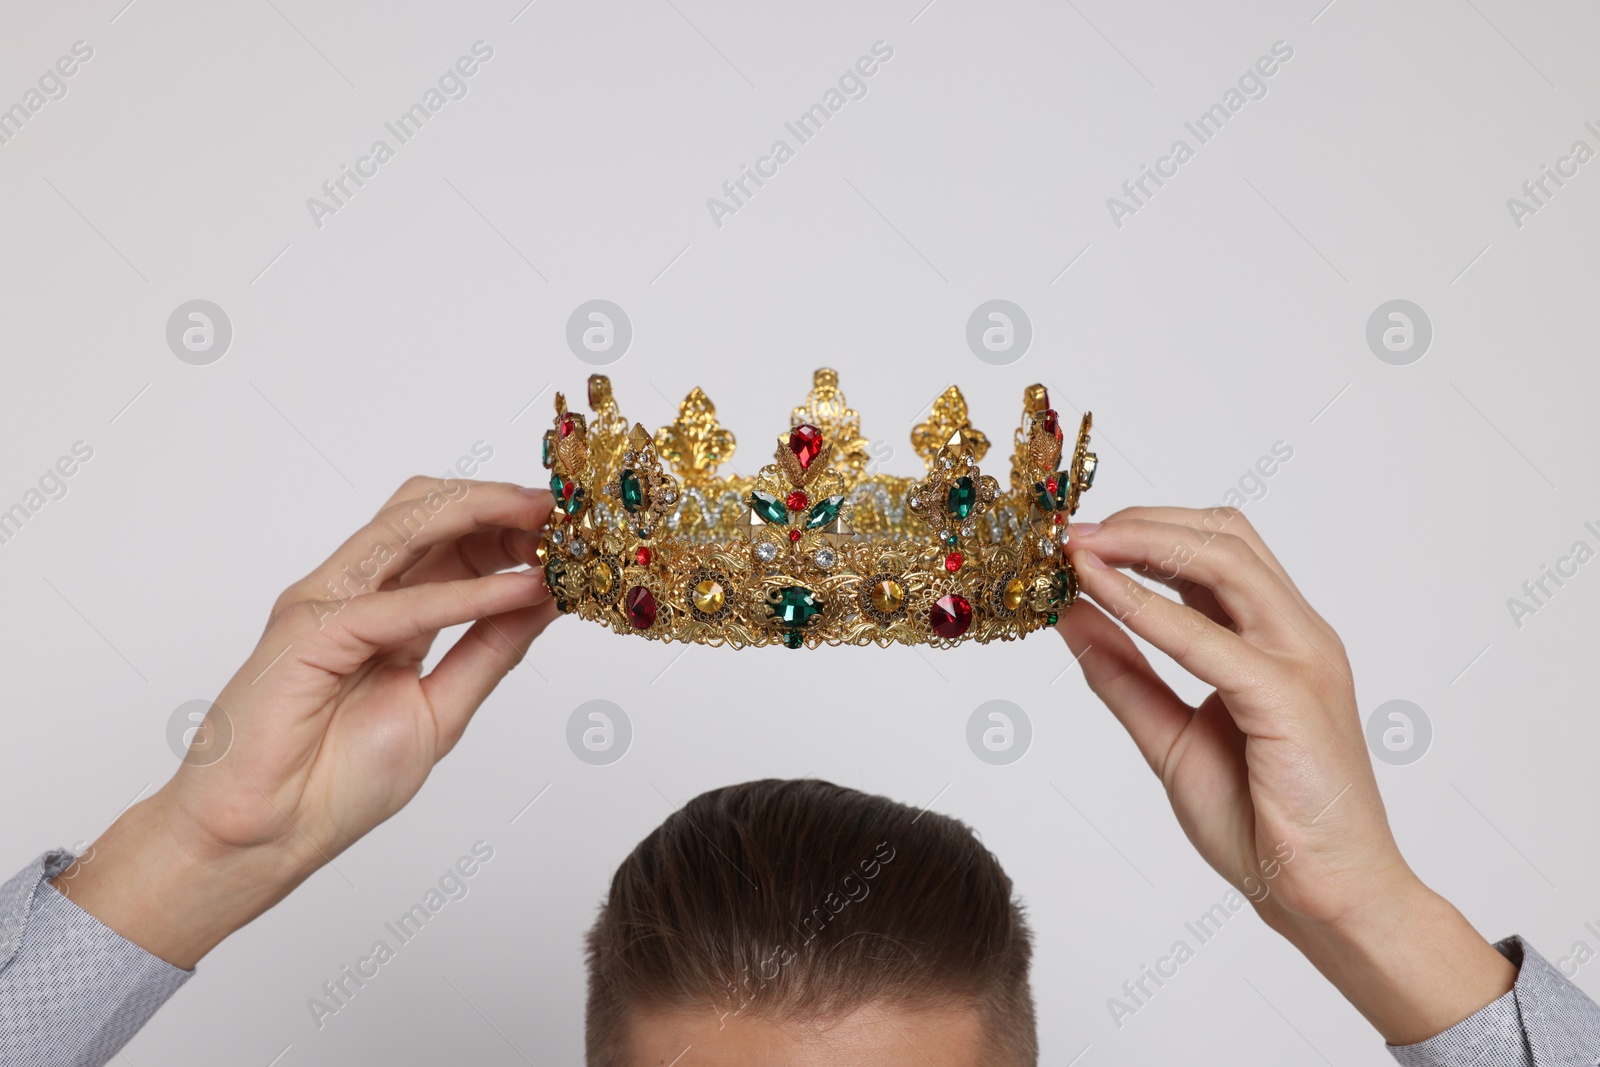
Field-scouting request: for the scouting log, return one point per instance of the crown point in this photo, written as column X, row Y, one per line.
column 825, row 378
column 639, row 438
column 599, row 390
column 1035, row 398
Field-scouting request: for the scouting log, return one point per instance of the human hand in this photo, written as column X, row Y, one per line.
column 1269, row 776
column 334, row 727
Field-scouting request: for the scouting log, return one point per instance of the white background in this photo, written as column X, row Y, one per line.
column 1227, row 315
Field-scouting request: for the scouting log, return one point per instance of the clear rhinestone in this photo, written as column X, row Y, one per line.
column 630, row 457
column 1062, row 535
column 644, row 531
column 946, row 462
column 825, row 558
column 557, row 536
column 578, row 549
column 670, row 495
column 916, row 501
column 1046, row 546
column 766, row 551
column 968, row 529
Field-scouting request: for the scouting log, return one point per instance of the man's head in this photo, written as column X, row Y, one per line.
column 801, row 922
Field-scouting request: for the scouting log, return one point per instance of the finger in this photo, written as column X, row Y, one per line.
column 359, row 626
column 1244, row 586
column 1216, row 520
column 1193, row 594
column 1119, row 675
column 481, row 552
column 1215, row 655
column 418, row 486
column 477, row 662
column 404, row 530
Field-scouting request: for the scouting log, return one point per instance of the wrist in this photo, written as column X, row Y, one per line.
column 1406, row 958
column 166, row 888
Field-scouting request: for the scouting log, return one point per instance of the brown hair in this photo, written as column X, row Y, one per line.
column 791, row 898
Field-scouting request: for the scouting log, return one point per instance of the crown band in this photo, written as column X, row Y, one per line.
column 815, row 548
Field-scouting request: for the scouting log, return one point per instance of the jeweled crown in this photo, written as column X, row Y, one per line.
column 818, row 547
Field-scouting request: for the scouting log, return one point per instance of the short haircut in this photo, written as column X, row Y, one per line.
column 788, row 899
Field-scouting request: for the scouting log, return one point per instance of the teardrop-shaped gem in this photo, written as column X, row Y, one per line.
column 824, row 512
column 962, row 498
column 805, row 441
column 631, row 490
column 769, row 507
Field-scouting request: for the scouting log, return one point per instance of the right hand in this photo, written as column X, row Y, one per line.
column 334, row 726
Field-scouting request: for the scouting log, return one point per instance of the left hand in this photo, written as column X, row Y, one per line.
column 1269, row 776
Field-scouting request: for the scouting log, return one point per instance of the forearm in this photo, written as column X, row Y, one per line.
column 1408, row 961
column 171, row 894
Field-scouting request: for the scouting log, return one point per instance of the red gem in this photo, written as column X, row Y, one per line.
column 805, row 441
column 952, row 562
column 950, row 616
column 794, row 535
column 568, row 423
column 1052, row 423
column 798, row 501
column 1050, row 484
column 640, row 605
column 641, row 556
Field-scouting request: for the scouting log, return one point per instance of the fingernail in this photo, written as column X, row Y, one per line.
column 1084, row 528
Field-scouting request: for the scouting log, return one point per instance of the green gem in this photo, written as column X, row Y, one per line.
column 824, row 512
column 632, row 490
column 568, row 494
column 950, row 539
column 1090, row 462
column 1051, row 618
column 770, row 508
column 962, row 498
column 1049, row 501
column 544, row 448
column 795, row 607
column 1060, row 586
column 793, row 639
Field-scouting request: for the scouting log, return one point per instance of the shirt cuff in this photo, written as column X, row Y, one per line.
column 72, row 990
column 1543, row 1021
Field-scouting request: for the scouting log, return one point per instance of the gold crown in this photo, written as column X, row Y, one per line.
column 817, row 547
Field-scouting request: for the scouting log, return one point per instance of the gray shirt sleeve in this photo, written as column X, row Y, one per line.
column 72, row 990
column 1544, row 1021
